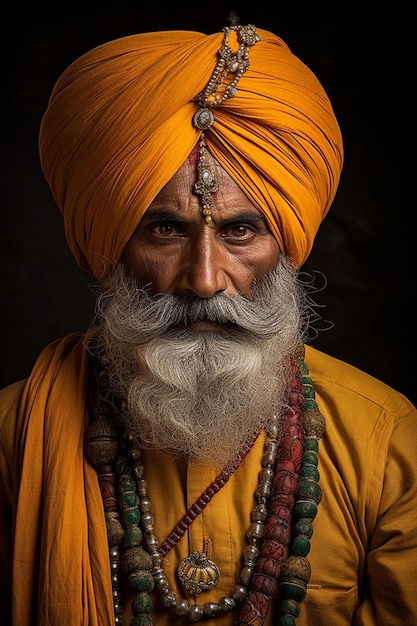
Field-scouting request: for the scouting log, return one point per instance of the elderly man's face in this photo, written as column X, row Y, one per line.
column 177, row 252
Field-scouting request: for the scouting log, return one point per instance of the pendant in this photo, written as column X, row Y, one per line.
column 197, row 573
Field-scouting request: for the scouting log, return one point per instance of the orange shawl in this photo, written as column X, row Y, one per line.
column 59, row 497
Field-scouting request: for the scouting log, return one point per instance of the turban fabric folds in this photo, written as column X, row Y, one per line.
column 119, row 125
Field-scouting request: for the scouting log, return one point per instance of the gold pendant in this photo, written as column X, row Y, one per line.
column 197, row 573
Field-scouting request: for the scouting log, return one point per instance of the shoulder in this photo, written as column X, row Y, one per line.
column 362, row 413
column 369, row 425
column 341, row 384
column 60, row 369
column 10, row 397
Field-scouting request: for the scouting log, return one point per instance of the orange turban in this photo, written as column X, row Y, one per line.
column 119, row 125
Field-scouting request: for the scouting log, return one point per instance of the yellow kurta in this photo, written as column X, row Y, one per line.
column 364, row 546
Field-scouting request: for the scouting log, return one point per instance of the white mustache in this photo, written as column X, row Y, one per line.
column 160, row 314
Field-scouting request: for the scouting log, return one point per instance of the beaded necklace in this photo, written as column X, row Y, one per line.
column 288, row 490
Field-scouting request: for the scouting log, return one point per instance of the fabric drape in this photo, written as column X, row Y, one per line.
column 58, row 498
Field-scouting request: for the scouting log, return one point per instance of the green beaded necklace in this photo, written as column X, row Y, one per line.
column 129, row 520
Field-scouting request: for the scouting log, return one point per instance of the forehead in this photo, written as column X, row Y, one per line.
column 179, row 194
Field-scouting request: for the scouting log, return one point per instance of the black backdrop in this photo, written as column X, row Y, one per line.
column 365, row 244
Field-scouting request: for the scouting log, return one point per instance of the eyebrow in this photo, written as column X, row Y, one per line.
column 163, row 215
column 172, row 216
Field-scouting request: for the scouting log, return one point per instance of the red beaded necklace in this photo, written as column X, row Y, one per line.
column 202, row 501
column 295, row 494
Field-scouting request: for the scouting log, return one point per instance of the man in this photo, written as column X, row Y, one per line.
column 189, row 457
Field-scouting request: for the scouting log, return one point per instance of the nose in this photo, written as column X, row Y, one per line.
column 205, row 269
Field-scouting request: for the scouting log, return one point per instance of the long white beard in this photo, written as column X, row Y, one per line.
column 201, row 395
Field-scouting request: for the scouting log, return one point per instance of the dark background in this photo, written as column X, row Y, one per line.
column 365, row 244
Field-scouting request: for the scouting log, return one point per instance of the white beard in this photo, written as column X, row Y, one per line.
column 201, row 395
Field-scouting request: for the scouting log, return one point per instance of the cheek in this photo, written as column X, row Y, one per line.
column 146, row 268
column 254, row 267
column 266, row 260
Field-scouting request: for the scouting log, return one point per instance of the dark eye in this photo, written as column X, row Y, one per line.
column 167, row 229
column 239, row 233
column 240, row 230
column 164, row 229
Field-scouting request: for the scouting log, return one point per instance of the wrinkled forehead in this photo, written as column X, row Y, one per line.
column 187, row 196
column 204, row 178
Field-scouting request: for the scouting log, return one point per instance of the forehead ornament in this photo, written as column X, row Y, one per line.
column 221, row 86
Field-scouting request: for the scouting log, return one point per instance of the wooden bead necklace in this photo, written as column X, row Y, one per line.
column 288, row 489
